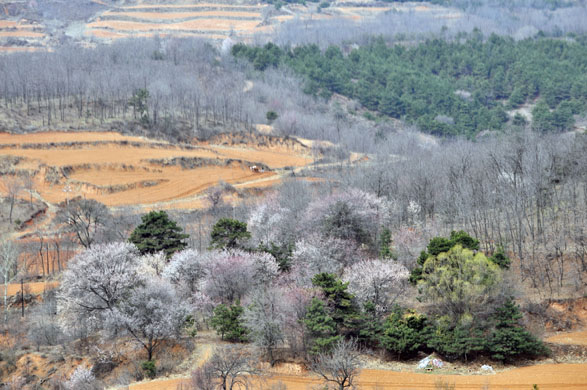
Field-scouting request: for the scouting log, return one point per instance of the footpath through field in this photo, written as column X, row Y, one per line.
column 547, row 376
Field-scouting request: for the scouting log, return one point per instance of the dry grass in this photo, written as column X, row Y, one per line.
column 573, row 338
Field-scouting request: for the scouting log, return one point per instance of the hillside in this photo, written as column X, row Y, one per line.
column 293, row 194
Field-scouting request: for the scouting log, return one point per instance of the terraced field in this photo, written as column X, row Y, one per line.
column 209, row 20
column 21, row 35
column 216, row 20
column 122, row 170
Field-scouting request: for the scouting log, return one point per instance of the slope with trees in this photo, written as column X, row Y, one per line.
column 447, row 88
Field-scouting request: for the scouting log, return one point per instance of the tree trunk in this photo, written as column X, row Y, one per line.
column 5, row 298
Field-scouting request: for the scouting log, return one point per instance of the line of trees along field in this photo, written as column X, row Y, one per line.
column 461, row 87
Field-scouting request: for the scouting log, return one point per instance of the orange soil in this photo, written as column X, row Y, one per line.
column 181, row 15
column 204, row 24
column 113, row 35
column 31, row 288
column 12, row 49
column 546, row 376
column 108, row 34
column 61, row 136
column 21, row 33
column 136, row 180
column 260, row 184
column 200, row 5
column 7, row 23
column 575, row 338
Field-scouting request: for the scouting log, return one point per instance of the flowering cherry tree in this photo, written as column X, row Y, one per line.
column 107, row 288
column 95, row 282
column 269, row 223
column 377, row 281
column 230, row 275
column 264, row 318
column 316, row 254
column 82, row 379
column 151, row 314
column 352, row 214
column 186, row 271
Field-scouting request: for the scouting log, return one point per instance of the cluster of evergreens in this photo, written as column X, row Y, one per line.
column 457, row 330
column 447, row 88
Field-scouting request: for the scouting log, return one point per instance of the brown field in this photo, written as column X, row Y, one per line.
column 547, row 376
column 196, row 25
column 56, row 136
column 21, row 33
column 114, row 169
column 209, row 20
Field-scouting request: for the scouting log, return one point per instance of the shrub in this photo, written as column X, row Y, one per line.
column 150, row 369
column 271, row 116
column 457, row 342
column 500, row 258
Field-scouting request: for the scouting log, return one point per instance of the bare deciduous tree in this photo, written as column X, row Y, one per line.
column 340, row 367
column 230, row 368
column 84, row 217
column 8, row 268
column 13, row 186
column 265, row 320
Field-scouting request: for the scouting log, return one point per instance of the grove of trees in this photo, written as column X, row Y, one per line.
column 447, row 88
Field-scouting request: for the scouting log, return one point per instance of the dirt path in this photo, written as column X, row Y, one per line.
column 197, row 359
column 546, row 376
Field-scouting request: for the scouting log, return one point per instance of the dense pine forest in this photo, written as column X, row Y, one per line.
column 448, row 88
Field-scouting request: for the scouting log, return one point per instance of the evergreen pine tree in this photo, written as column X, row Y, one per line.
column 229, row 233
column 509, row 339
column 321, row 327
column 157, row 233
column 227, row 322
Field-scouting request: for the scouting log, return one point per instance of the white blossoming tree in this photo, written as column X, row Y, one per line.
column 106, row 287
column 95, row 282
column 376, row 281
column 186, row 270
column 231, row 275
column 82, row 379
column 151, row 314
